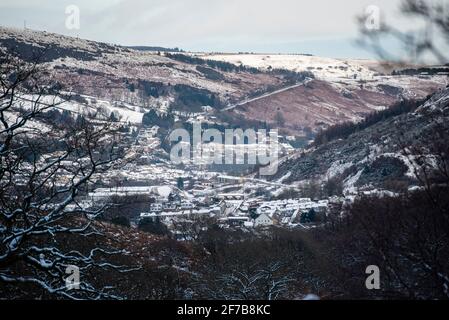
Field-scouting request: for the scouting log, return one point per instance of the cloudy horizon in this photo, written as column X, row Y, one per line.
column 322, row 27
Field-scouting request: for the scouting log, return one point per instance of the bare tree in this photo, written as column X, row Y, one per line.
column 43, row 171
column 426, row 40
column 268, row 282
column 193, row 227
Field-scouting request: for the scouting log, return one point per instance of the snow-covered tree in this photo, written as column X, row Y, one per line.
column 43, row 170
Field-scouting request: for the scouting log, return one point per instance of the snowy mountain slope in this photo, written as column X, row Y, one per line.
column 372, row 157
column 132, row 82
column 119, row 73
column 346, row 90
column 323, row 68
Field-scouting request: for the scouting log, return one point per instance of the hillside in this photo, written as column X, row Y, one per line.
column 379, row 156
column 136, row 81
column 343, row 90
column 141, row 78
column 90, row 180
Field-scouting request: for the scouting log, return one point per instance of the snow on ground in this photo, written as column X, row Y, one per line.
column 342, row 74
column 322, row 67
column 126, row 112
column 349, row 184
column 284, row 177
column 32, row 126
column 337, row 168
column 162, row 191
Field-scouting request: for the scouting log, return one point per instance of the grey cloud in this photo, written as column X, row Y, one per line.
column 199, row 24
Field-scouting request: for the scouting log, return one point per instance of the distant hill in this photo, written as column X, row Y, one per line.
column 263, row 88
column 157, row 49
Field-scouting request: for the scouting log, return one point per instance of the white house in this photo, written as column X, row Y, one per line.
column 263, row 220
column 231, row 196
column 156, row 207
column 185, row 205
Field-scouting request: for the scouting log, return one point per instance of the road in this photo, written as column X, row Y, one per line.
column 241, row 103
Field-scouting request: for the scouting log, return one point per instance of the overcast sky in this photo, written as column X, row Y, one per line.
column 321, row 27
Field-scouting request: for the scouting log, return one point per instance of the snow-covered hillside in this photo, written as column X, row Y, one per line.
column 375, row 156
column 269, row 87
column 324, row 68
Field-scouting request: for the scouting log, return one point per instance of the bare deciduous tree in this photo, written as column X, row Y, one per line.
column 43, row 171
column 426, row 40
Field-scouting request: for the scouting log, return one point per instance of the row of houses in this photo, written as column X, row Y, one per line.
column 171, row 206
column 253, row 213
column 262, row 220
column 184, row 214
column 235, row 210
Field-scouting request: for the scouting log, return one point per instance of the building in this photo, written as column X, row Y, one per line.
column 185, row 214
column 185, row 205
column 232, row 196
column 170, row 206
column 235, row 221
column 263, row 221
column 174, row 198
column 156, row 207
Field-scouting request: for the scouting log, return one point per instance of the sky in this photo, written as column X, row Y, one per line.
column 321, row 27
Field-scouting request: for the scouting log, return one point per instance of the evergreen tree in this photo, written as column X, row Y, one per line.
column 308, row 217
column 180, row 183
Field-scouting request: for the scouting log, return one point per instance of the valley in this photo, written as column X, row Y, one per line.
column 93, row 127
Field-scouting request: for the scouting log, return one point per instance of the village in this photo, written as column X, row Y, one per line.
column 184, row 195
column 236, row 211
column 209, row 202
